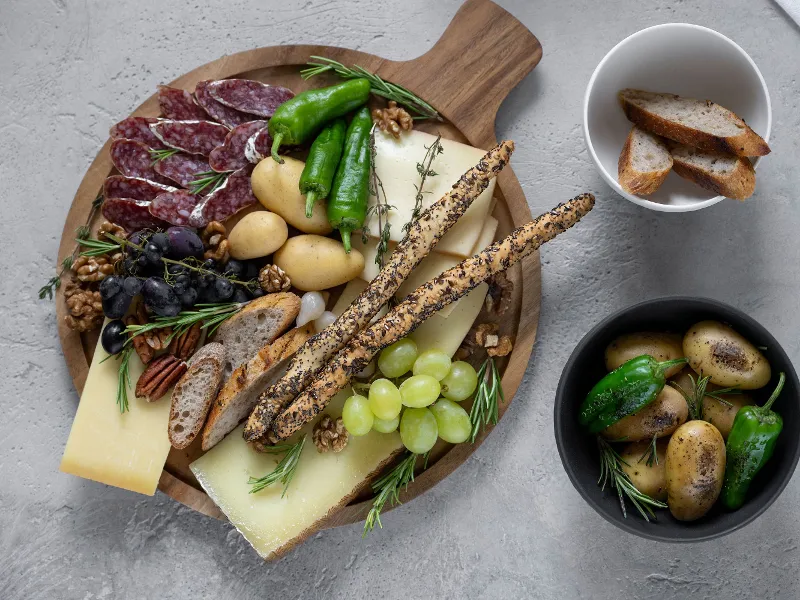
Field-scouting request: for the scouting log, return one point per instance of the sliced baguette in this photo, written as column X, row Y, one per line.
column 730, row 176
column 194, row 393
column 699, row 123
column 240, row 394
column 256, row 325
column 644, row 163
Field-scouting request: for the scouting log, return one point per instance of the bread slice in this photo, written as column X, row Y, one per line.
column 240, row 394
column 256, row 325
column 644, row 163
column 194, row 393
column 698, row 123
column 723, row 174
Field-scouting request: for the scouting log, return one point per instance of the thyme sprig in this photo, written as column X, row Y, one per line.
column 210, row 316
column 486, row 407
column 207, row 179
column 380, row 87
column 696, row 397
column 424, row 169
column 159, row 155
column 380, row 209
column 387, row 489
column 612, row 474
column 285, row 469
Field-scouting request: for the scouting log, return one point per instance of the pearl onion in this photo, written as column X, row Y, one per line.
column 324, row 320
column 312, row 305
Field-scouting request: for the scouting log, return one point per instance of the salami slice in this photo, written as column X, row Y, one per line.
column 252, row 97
column 175, row 207
column 132, row 159
column 259, row 146
column 228, row 199
column 135, row 188
column 194, row 137
column 216, row 110
column 230, row 156
column 179, row 105
column 182, row 168
column 129, row 214
column 138, row 130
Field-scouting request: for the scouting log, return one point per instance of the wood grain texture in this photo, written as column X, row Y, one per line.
column 483, row 54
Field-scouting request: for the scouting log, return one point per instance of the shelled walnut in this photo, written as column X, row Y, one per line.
column 498, row 298
column 92, row 269
column 85, row 306
column 330, row 435
column 215, row 240
column 113, row 229
column 392, row 119
column 273, row 279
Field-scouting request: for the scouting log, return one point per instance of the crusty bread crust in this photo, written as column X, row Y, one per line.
column 633, row 181
column 747, row 143
column 739, row 184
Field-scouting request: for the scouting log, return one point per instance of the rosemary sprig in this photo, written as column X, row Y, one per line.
column 695, row 398
column 100, row 247
column 159, row 155
column 387, row 489
column 207, row 179
column 424, row 169
column 611, row 474
column 380, row 87
column 486, row 408
column 650, row 455
column 210, row 315
column 380, row 209
column 123, row 376
column 285, row 469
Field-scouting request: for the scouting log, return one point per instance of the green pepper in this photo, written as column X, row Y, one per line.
column 347, row 202
column 626, row 390
column 750, row 445
column 297, row 120
column 323, row 158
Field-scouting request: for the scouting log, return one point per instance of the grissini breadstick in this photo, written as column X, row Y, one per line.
column 424, row 234
column 422, row 303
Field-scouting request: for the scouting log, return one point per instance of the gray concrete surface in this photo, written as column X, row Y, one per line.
column 507, row 524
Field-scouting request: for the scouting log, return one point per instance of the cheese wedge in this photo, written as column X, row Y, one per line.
column 322, row 483
column 126, row 450
column 396, row 166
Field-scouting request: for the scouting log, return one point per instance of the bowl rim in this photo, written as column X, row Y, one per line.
column 611, row 180
column 623, row 523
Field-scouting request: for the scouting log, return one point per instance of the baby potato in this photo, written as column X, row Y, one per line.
column 277, row 188
column 659, row 418
column 661, row 346
column 720, row 415
column 648, row 479
column 695, row 467
column 717, row 350
column 315, row 263
column 257, row 234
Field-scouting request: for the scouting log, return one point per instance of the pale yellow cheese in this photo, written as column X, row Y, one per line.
column 125, row 450
column 321, row 482
column 396, row 166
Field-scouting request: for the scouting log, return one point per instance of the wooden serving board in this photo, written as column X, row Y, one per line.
column 483, row 54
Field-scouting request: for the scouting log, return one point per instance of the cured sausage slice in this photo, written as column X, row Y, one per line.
column 175, row 207
column 129, row 214
column 182, row 168
column 259, row 146
column 194, row 137
column 252, row 97
column 135, row 188
column 230, row 156
column 225, row 201
column 179, row 105
column 132, row 159
column 216, row 110
column 138, row 130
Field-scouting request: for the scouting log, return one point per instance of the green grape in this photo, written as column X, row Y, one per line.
column 460, row 382
column 419, row 390
column 452, row 420
column 434, row 363
column 357, row 416
column 418, row 430
column 386, row 425
column 384, row 399
column 397, row 359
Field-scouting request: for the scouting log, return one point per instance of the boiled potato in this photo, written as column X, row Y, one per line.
column 257, row 234
column 695, row 469
column 649, row 479
column 717, row 350
column 277, row 188
column 661, row 346
column 659, row 418
column 316, row 263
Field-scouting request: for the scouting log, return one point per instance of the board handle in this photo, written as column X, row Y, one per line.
column 482, row 55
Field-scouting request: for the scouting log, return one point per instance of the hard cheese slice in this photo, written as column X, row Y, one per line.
column 322, row 483
column 126, row 450
column 396, row 166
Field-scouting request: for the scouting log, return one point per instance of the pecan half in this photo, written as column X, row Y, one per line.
column 144, row 351
column 184, row 345
column 159, row 376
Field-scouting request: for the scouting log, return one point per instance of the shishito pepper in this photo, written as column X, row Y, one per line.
column 750, row 445
column 297, row 120
column 323, row 158
column 627, row 389
column 347, row 202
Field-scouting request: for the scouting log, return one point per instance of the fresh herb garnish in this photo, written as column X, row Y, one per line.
column 650, row 455
column 486, row 408
column 695, row 398
column 285, row 469
column 123, row 376
column 207, row 179
column 100, row 247
column 381, row 208
column 210, row 315
column 612, row 474
column 380, row 87
column 424, row 169
column 159, row 155
column 387, row 489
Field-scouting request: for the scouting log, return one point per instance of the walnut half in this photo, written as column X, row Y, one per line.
column 330, row 435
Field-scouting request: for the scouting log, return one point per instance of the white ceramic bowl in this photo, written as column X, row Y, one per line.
column 677, row 58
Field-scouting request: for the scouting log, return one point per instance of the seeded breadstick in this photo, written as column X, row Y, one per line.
column 422, row 303
column 423, row 236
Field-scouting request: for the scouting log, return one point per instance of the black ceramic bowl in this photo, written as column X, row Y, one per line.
column 578, row 450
